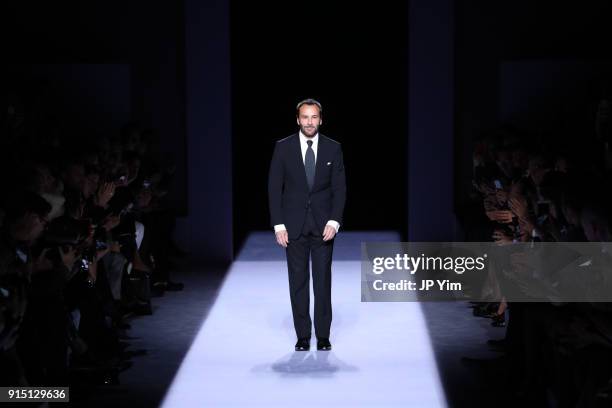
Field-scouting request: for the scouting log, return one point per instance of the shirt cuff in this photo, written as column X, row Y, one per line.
column 334, row 224
column 279, row 227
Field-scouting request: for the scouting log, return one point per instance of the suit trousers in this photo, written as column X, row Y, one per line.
column 310, row 245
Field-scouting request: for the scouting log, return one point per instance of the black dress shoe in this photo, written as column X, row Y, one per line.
column 302, row 344
column 323, row 344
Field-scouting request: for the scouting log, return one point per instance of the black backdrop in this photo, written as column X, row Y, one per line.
column 352, row 58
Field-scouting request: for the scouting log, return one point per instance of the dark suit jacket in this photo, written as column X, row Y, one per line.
column 288, row 193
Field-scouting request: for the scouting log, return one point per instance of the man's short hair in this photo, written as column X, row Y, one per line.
column 308, row 101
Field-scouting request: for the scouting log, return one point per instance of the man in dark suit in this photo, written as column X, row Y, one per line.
column 307, row 192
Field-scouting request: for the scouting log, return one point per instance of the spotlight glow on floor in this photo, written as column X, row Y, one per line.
column 243, row 354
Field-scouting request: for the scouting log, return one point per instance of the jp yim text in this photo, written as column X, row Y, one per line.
column 428, row 284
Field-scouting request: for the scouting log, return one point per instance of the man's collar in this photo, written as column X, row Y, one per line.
column 314, row 139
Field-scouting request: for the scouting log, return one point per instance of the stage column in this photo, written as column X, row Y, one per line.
column 208, row 128
column 431, row 123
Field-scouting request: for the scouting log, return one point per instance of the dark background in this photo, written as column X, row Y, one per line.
column 352, row 59
column 549, row 39
column 247, row 64
column 406, row 88
column 96, row 65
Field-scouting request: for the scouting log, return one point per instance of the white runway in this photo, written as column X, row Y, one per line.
column 243, row 354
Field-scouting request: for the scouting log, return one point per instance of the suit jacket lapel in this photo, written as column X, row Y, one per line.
column 299, row 161
column 320, row 159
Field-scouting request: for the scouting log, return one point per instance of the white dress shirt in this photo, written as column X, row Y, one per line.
column 304, row 147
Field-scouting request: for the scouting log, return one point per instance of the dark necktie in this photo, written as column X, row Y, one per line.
column 309, row 164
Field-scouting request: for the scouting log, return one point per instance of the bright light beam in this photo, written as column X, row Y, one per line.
column 243, row 354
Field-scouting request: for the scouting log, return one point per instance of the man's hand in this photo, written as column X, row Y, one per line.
column 503, row 216
column 282, row 237
column 329, row 233
column 104, row 194
column 519, row 207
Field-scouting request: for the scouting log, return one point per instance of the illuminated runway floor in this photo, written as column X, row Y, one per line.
column 243, row 354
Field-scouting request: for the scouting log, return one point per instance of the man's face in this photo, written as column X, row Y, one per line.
column 309, row 120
